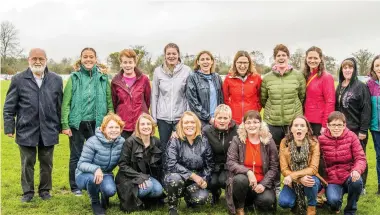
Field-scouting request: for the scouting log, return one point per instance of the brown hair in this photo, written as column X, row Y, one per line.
column 252, row 114
column 347, row 63
column 174, row 46
column 321, row 66
column 88, row 49
column 198, row 125
column 148, row 117
column 251, row 67
column 336, row 115
column 108, row 118
column 103, row 68
column 197, row 67
column 280, row 47
column 129, row 53
column 372, row 72
column 289, row 136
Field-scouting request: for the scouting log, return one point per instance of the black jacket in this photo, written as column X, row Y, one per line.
column 184, row 159
column 354, row 102
column 37, row 110
column 198, row 94
column 220, row 141
column 133, row 170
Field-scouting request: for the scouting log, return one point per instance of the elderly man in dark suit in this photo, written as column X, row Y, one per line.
column 33, row 108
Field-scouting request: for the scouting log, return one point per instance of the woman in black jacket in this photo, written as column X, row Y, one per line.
column 220, row 136
column 354, row 101
column 137, row 180
column 188, row 165
column 204, row 88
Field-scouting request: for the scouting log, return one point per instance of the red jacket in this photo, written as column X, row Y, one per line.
column 320, row 98
column 130, row 102
column 341, row 155
column 241, row 95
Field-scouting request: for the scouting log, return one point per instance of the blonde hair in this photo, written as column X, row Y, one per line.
column 197, row 67
column 223, row 108
column 108, row 118
column 148, row 117
column 181, row 133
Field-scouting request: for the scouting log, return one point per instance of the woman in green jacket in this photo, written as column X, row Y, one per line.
column 282, row 96
column 86, row 100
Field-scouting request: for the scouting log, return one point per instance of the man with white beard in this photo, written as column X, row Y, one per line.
column 33, row 108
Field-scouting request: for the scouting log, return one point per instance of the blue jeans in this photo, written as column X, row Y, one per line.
column 153, row 189
column 335, row 192
column 85, row 181
column 287, row 198
column 376, row 142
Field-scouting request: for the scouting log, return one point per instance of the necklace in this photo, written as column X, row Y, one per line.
column 254, row 153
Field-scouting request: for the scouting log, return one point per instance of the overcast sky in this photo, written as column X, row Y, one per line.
column 64, row 27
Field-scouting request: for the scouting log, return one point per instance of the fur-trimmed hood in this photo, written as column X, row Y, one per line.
column 265, row 135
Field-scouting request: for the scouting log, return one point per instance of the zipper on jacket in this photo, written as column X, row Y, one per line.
column 171, row 101
column 109, row 160
column 242, row 99
column 282, row 100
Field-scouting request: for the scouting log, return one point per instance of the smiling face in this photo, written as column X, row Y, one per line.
column 205, row 63
column 282, row 59
column 222, row 120
column 376, row 68
column 128, row 65
column 299, row 129
column 171, row 56
column 37, row 61
column 252, row 126
column 88, row 59
column 347, row 72
column 112, row 130
column 145, row 127
column 336, row 127
column 189, row 126
column 313, row 59
column 242, row 65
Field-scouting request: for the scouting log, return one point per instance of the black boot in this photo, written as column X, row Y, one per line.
column 378, row 189
column 105, row 201
column 97, row 209
column 216, row 196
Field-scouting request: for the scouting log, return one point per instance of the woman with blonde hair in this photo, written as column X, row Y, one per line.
column 86, row 100
column 204, row 88
column 189, row 164
column 138, row 178
column 99, row 157
column 241, row 88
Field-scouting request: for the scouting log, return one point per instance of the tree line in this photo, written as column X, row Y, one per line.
column 13, row 58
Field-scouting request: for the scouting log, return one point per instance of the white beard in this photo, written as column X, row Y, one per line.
column 37, row 69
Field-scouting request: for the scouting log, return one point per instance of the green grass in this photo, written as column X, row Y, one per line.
column 63, row 202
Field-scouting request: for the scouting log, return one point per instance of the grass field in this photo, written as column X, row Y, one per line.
column 63, row 202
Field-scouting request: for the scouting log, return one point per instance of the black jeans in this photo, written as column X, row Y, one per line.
column 364, row 146
column 243, row 195
column 316, row 128
column 86, row 130
column 165, row 129
column 278, row 133
column 28, row 160
column 218, row 181
column 126, row 134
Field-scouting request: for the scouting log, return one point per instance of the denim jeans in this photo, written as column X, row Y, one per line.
column 153, row 189
column 86, row 130
column 85, row 181
column 376, row 142
column 335, row 192
column 287, row 197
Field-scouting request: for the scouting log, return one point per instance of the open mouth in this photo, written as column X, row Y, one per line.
column 298, row 134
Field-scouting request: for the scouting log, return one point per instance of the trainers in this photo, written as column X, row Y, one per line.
column 27, row 197
column 173, row 211
column 98, row 209
column 77, row 193
column 45, row 195
column 363, row 192
column 278, row 190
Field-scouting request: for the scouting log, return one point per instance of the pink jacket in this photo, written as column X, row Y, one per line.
column 320, row 98
column 341, row 155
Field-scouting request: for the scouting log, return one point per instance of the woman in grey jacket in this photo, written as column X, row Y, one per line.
column 168, row 93
column 99, row 157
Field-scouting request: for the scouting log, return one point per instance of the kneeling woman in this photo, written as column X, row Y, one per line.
column 99, row 157
column 189, row 163
column 252, row 161
column 299, row 160
column 139, row 167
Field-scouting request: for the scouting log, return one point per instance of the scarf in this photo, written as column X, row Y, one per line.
column 299, row 161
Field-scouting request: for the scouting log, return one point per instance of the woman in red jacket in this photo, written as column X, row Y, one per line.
column 130, row 91
column 241, row 88
column 345, row 162
column 320, row 91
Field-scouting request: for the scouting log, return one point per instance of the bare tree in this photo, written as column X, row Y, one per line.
column 10, row 45
column 330, row 64
column 297, row 59
column 363, row 57
column 257, row 57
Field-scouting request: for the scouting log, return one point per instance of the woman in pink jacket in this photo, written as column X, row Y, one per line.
column 320, row 91
column 345, row 162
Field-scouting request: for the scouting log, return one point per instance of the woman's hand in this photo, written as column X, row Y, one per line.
column 98, row 176
column 288, row 180
column 67, row 132
column 197, row 179
column 362, row 136
column 143, row 185
column 355, row 175
column 212, row 120
column 252, row 179
column 259, row 188
column 307, row 181
column 204, row 185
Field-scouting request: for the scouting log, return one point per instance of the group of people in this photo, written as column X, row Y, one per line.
column 211, row 133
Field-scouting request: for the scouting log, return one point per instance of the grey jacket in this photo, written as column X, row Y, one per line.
column 168, row 93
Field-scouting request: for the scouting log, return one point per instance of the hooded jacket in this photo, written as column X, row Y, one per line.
column 220, row 141
column 168, row 93
column 242, row 94
column 236, row 157
column 341, row 155
column 374, row 89
column 131, row 102
column 354, row 102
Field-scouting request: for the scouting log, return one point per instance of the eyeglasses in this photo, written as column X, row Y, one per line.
column 41, row 59
column 336, row 125
column 252, row 123
column 242, row 63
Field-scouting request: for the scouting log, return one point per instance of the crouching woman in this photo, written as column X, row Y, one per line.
column 252, row 161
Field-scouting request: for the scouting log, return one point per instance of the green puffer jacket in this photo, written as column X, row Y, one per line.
column 282, row 96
